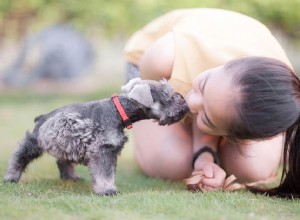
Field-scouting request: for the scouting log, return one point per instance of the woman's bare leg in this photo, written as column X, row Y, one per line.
column 163, row 151
column 256, row 160
column 166, row 152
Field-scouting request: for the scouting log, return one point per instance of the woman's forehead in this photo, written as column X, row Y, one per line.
column 220, row 97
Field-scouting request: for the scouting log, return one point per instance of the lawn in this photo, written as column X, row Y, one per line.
column 41, row 195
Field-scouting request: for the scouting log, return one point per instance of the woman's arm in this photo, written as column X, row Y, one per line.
column 157, row 61
column 201, row 140
column 214, row 175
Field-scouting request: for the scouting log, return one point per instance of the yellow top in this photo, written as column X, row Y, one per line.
column 205, row 38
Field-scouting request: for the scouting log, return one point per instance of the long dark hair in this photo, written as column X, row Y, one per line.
column 269, row 104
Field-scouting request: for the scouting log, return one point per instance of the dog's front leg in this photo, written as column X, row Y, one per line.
column 102, row 167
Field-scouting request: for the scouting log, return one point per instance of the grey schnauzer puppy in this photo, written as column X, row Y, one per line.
column 93, row 133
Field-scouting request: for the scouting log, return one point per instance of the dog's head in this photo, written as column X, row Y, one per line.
column 158, row 99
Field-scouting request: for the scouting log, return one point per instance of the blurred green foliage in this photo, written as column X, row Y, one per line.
column 122, row 17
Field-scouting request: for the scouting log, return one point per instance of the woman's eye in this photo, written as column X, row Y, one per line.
column 204, row 122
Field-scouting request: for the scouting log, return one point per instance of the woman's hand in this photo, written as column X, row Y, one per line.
column 214, row 176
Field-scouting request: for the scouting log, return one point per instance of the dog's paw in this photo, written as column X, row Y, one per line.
column 9, row 179
column 75, row 179
column 110, row 192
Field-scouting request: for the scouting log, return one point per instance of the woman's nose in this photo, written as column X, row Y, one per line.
column 194, row 102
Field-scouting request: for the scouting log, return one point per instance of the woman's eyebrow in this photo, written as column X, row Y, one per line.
column 203, row 84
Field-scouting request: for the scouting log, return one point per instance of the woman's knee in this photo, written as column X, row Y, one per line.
column 171, row 164
column 164, row 152
column 252, row 173
column 252, row 162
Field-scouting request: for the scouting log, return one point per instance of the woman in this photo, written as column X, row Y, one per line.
column 241, row 90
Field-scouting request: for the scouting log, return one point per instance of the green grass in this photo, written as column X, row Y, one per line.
column 41, row 195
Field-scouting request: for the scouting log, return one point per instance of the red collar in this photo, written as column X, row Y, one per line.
column 121, row 111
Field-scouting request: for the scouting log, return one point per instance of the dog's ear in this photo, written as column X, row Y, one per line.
column 142, row 94
column 164, row 81
column 126, row 88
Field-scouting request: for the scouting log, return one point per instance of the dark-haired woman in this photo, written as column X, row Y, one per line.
column 242, row 92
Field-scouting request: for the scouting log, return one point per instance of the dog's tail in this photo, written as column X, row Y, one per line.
column 39, row 118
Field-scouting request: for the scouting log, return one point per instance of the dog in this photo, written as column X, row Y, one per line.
column 92, row 133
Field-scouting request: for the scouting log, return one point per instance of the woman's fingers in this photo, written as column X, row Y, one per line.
column 214, row 177
column 208, row 171
column 215, row 183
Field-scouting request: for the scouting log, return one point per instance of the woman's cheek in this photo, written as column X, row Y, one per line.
column 203, row 127
column 189, row 101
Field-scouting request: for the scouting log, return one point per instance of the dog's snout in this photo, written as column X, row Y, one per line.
column 182, row 102
column 186, row 107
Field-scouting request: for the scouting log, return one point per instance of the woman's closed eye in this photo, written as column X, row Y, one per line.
column 207, row 121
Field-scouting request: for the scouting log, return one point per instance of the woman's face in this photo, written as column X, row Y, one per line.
column 211, row 100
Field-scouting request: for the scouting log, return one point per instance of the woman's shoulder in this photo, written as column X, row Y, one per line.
column 214, row 18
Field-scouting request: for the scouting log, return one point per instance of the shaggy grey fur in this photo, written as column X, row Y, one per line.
column 93, row 133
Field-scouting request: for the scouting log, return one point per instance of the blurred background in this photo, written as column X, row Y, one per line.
column 35, row 34
column 57, row 52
